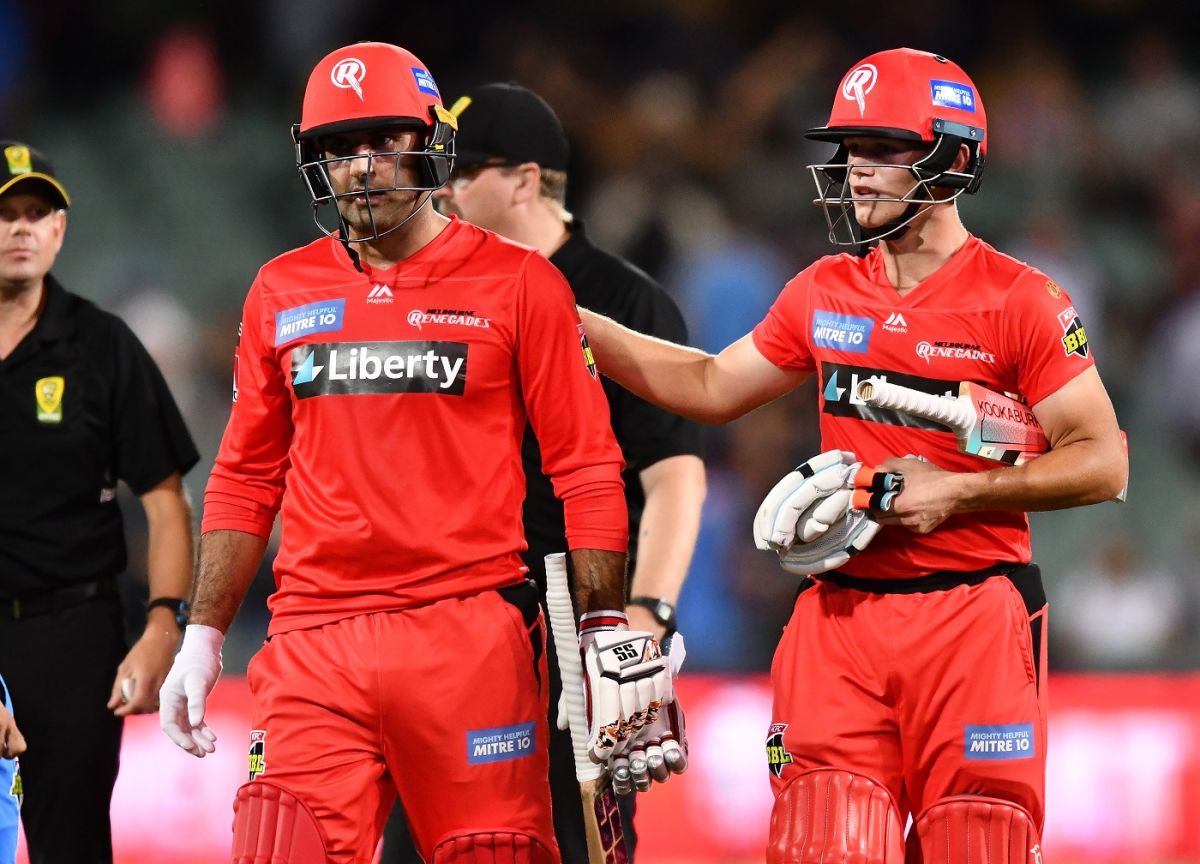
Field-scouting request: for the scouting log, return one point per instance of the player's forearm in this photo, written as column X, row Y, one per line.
column 675, row 490
column 1072, row 475
column 669, row 375
column 599, row 579
column 227, row 564
column 169, row 524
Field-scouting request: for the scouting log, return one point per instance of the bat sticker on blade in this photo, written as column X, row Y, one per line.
column 601, row 818
column 985, row 423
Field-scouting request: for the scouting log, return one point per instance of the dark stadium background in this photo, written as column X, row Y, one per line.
column 169, row 124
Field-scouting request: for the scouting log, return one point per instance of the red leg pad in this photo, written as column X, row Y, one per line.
column 498, row 847
column 835, row 815
column 273, row 826
column 971, row 829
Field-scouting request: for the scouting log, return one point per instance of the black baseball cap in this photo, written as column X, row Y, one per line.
column 506, row 122
column 22, row 164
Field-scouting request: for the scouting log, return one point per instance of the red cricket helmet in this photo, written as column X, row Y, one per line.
column 913, row 96
column 373, row 85
column 368, row 85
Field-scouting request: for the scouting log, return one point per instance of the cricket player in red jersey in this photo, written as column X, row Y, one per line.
column 910, row 680
column 383, row 380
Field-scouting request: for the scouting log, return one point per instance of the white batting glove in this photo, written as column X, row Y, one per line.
column 802, row 506
column 848, row 536
column 182, row 696
column 661, row 748
column 627, row 678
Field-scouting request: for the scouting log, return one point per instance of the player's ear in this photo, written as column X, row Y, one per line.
column 529, row 182
column 962, row 160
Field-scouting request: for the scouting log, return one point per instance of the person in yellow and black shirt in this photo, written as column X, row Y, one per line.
column 82, row 405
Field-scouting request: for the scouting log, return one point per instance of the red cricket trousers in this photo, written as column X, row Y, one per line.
column 932, row 693
column 445, row 704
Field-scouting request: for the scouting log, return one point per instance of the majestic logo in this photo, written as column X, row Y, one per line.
column 348, row 74
column 502, row 743
column 895, row 323
column 954, row 351
column 589, row 359
column 462, row 317
column 1009, row 741
column 49, row 395
column 425, row 82
column 257, row 759
column 777, row 755
column 842, row 332
column 858, row 84
column 355, row 368
column 319, row 317
column 948, row 94
column 1074, row 340
column 380, row 294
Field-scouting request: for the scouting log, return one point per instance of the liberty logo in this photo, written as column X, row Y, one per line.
column 348, row 75
column 354, row 368
column 858, row 84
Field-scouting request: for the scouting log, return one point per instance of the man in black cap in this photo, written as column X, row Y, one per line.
column 510, row 177
column 82, row 405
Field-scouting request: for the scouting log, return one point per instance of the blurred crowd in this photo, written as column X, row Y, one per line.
column 170, row 123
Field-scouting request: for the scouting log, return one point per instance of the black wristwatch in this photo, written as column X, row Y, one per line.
column 663, row 612
column 175, row 604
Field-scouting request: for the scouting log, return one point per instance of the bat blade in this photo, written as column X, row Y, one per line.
column 985, row 423
column 601, row 818
column 1005, row 429
column 602, row 823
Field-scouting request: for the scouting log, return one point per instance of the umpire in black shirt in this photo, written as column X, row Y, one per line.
column 82, row 406
column 510, row 177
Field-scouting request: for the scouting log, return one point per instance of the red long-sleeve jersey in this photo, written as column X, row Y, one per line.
column 381, row 415
column 982, row 317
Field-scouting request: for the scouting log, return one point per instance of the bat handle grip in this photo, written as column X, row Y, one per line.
column 950, row 411
column 570, row 666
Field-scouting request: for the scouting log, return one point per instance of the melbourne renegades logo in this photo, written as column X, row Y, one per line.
column 858, row 84
column 348, row 75
column 257, row 756
column 777, row 755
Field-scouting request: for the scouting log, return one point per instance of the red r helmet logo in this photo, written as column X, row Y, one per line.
column 348, row 75
column 858, row 84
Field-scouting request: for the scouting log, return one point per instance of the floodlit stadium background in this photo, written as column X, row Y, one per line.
column 169, row 125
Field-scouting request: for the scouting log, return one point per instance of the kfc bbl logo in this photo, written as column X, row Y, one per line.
column 777, row 754
column 1074, row 340
column 257, row 757
column 589, row 359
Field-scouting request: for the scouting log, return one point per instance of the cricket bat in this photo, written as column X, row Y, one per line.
column 601, row 818
column 985, row 423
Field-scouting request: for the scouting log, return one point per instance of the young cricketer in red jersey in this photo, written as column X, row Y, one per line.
column 911, row 680
column 384, row 377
